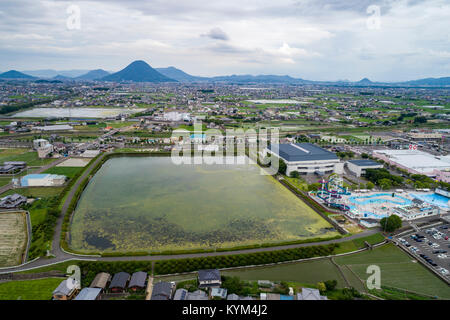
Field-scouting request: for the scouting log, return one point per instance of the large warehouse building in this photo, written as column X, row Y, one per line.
column 417, row 162
column 42, row 180
column 307, row 158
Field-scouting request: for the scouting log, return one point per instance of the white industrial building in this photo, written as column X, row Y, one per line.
column 42, row 180
column 417, row 162
column 359, row 167
column 307, row 158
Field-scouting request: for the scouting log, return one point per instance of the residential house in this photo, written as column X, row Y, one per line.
column 209, row 278
column 66, row 290
column 119, row 282
column 162, row 291
column 138, row 281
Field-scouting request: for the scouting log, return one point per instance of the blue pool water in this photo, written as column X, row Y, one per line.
column 434, row 198
column 399, row 200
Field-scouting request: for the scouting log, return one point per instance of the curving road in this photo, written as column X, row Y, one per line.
column 62, row 256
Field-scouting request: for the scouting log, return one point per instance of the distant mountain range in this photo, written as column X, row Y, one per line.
column 179, row 75
column 140, row 71
column 13, row 74
column 93, row 75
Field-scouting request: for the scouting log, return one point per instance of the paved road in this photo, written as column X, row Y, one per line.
column 61, row 256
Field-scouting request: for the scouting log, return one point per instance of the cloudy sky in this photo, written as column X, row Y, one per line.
column 384, row 40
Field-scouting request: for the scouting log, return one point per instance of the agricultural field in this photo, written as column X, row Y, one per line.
column 13, row 238
column 69, row 172
column 35, row 192
column 39, row 289
column 30, row 157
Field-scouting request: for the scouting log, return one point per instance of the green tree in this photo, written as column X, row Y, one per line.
column 391, row 223
column 385, row 184
column 370, row 185
column 295, row 174
column 321, row 286
column 282, row 166
column 330, row 284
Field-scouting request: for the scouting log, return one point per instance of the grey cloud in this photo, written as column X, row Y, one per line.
column 216, row 34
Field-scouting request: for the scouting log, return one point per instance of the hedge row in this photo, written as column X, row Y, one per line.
column 91, row 268
column 258, row 258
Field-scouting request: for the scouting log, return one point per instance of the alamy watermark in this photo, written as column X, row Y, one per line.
column 374, row 280
column 236, row 146
column 373, row 22
column 73, row 21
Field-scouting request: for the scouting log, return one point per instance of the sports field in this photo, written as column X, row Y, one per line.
column 13, row 238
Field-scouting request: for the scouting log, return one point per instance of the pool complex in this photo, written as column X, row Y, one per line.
column 372, row 199
column 434, row 198
column 376, row 199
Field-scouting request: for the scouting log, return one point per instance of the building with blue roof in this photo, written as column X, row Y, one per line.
column 307, row 158
column 359, row 167
column 89, row 294
column 42, row 180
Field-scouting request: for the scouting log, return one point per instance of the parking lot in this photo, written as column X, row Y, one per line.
column 430, row 245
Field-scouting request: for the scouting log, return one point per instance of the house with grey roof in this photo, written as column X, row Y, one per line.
column 197, row 295
column 138, row 281
column 209, row 278
column 306, row 158
column 162, row 291
column 180, row 294
column 12, row 201
column 66, row 290
column 310, row 294
column 119, row 282
column 218, row 293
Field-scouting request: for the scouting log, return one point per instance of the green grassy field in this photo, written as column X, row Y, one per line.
column 30, row 157
column 397, row 270
column 40, row 289
column 35, row 192
column 303, row 272
column 69, row 172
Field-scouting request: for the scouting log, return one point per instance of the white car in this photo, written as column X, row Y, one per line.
column 442, row 256
column 435, row 245
column 401, row 239
column 444, row 271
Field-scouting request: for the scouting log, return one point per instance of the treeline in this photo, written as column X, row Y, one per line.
column 258, row 258
column 42, row 232
column 91, row 268
column 383, row 178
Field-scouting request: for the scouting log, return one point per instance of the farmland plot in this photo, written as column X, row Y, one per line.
column 13, row 238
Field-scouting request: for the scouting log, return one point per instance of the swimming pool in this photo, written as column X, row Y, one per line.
column 434, row 198
column 399, row 200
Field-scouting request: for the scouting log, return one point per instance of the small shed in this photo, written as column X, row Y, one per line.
column 101, row 281
column 138, row 281
column 119, row 282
